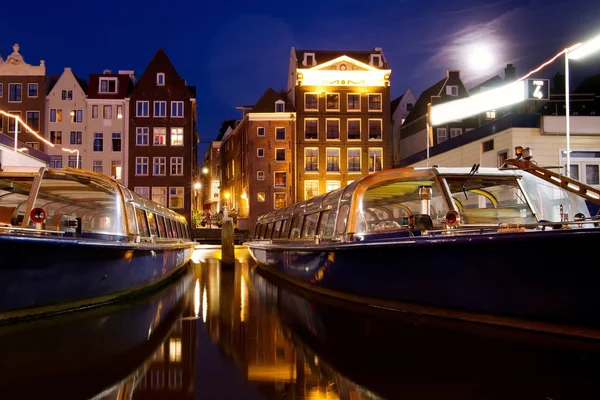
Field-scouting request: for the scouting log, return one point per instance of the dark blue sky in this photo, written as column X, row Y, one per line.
column 233, row 50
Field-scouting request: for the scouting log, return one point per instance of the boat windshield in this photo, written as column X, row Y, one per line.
column 63, row 195
column 485, row 199
column 546, row 200
column 389, row 205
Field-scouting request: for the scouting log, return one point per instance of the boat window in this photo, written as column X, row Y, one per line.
column 310, row 225
column 285, row 228
column 130, row 211
column 327, row 225
column 489, row 200
column 142, row 223
column 179, row 231
column 269, row 231
column 277, row 230
column 168, row 227
column 174, row 226
column 152, row 223
column 256, row 230
column 161, row 226
column 342, row 219
column 388, row 205
column 295, row 227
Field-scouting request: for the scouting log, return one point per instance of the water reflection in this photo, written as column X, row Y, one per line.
column 227, row 332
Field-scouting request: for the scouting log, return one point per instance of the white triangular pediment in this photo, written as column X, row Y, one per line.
column 344, row 63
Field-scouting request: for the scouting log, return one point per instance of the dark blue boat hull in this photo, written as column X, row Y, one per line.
column 40, row 275
column 548, row 276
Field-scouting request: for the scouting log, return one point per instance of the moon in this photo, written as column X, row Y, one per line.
column 480, row 57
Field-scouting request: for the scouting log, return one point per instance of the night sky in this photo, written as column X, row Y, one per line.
column 232, row 51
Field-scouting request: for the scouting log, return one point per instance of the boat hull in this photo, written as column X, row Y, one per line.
column 40, row 275
column 540, row 276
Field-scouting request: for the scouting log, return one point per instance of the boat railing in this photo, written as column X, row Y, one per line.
column 18, row 229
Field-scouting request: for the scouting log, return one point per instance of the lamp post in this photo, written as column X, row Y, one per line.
column 197, row 187
column 576, row 52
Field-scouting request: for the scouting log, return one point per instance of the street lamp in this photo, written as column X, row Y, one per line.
column 205, row 170
column 576, row 52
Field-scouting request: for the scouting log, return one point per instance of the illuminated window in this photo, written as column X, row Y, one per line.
column 177, row 166
column 311, row 160
column 333, row 160
column 160, row 136
column 280, row 200
column 454, row 132
column 354, row 129
column 97, row 166
column 260, row 152
column 176, row 136
column 260, row 131
column 353, row 160
column 144, row 191
column 33, row 145
column 353, row 102
column 280, row 155
column 141, row 136
column 32, row 90
column 279, row 133
column 452, row 90
column 490, row 114
column 311, row 102
column 160, row 79
column 260, row 175
column 108, row 85
column 176, row 197
column 310, row 129
column 333, row 129
column 160, row 108
column 159, row 165
column 374, row 102
column 116, row 169
column 33, row 120
column 260, row 197
column 311, row 189
column 375, row 129
column 175, row 350
column 142, row 109
column 333, row 102
column 375, row 160
column 141, row 165
column 441, row 135
column 332, row 185
column 281, row 180
column 56, row 114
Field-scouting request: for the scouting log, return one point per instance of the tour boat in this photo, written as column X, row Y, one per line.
column 510, row 246
column 71, row 238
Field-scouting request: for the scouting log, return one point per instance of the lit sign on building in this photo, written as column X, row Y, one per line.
column 538, row 89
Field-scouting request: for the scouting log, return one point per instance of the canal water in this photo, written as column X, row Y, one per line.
column 228, row 332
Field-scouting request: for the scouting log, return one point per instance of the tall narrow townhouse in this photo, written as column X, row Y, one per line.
column 66, row 105
column 104, row 141
column 257, row 160
column 163, row 141
column 23, row 93
column 342, row 102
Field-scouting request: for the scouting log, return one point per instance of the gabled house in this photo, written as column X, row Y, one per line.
column 257, row 167
column 400, row 107
column 162, row 146
column 66, row 109
column 342, row 102
column 413, row 132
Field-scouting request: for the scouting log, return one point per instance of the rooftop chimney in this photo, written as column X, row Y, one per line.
column 510, row 73
column 106, row 71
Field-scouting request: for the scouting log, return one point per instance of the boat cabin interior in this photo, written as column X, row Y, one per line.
column 412, row 201
column 81, row 203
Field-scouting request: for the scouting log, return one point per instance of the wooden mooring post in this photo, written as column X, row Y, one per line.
column 227, row 242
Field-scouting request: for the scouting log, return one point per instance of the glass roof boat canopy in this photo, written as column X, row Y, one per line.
column 428, row 199
column 99, row 204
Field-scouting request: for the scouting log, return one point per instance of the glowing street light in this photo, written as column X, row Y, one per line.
column 205, row 170
column 197, row 185
column 576, row 52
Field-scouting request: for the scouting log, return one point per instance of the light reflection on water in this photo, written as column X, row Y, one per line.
column 228, row 332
